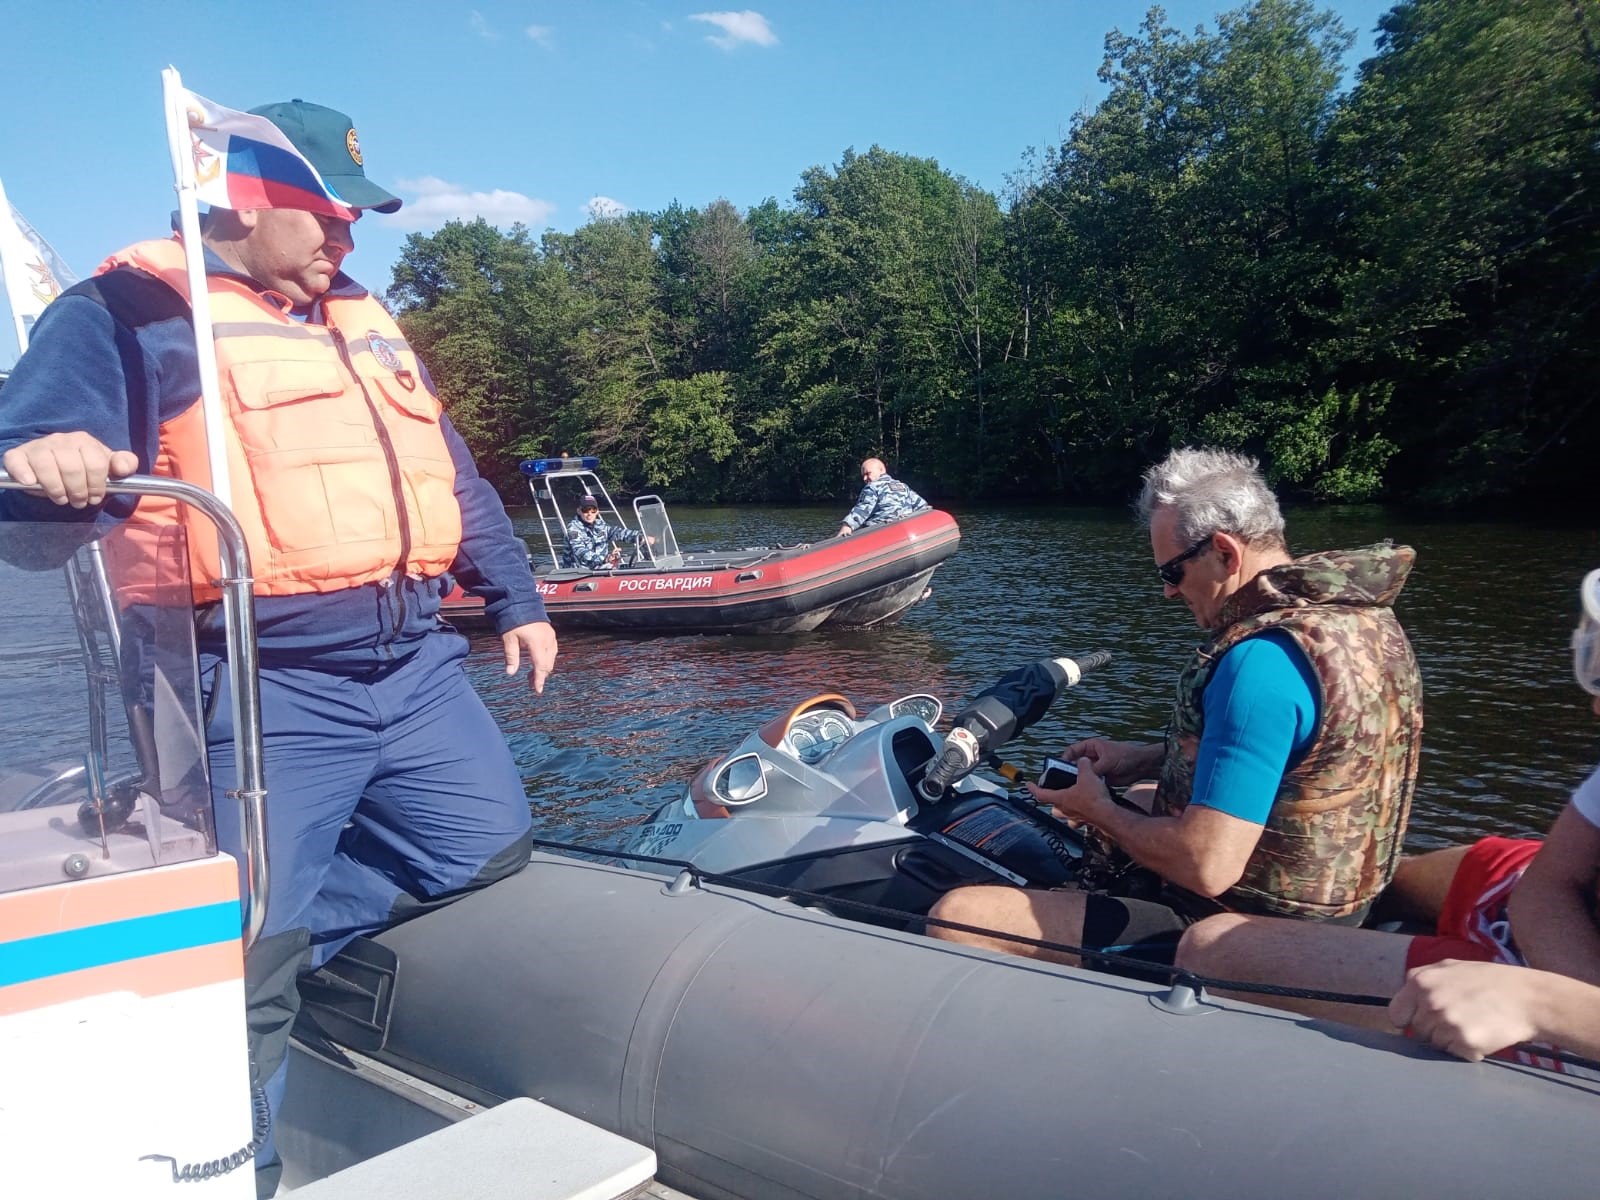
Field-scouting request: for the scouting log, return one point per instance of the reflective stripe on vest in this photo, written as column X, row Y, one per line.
column 340, row 471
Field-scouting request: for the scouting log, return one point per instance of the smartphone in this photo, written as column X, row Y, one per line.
column 1057, row 774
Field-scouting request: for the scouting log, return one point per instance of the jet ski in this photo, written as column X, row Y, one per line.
column 877, row 808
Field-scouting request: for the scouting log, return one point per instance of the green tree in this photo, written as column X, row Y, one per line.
column 1175, row 243
column 873, row 330
column 1468, row 158
column 606, row 309
column 691, row 434
column 460, row 296
column 708, row 261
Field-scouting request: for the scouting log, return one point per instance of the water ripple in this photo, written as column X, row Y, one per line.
column 626, row 721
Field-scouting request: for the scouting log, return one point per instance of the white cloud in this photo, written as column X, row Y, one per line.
column 604, row 208
column 480, row 26
column 540, row 34
column 430, row 202
column 737, row 28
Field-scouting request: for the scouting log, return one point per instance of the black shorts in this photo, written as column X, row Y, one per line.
column 1138, row 929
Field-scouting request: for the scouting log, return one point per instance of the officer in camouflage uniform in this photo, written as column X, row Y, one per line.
column 590, row 540
column 884, row 499
column 1289, row 765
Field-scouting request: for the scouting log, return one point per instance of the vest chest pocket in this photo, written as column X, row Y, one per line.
column 416, row 401
column 286, row 406
column 315, row 460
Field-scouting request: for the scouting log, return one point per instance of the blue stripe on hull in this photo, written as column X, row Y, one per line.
column 117, row 941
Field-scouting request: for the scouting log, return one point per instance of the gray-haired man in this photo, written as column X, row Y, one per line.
column 1286, row 776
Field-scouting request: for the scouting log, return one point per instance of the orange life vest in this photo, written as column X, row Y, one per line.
column 339, row 467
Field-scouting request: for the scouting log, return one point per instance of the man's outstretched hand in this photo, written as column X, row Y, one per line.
column 538, row 640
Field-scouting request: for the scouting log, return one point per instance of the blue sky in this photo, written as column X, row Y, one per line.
column 537, row 111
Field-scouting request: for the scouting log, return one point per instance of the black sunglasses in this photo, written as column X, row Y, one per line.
column 1171, row 571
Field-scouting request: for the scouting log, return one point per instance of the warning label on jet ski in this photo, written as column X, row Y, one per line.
column 993, row 829
column 674, row 583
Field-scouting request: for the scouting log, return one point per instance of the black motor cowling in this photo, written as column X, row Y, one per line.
column 1000, row 712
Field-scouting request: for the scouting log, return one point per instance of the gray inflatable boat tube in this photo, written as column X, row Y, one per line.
column 764, row 1050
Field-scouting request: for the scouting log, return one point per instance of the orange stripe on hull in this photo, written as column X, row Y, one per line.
column 109, row 898
column 158, row 975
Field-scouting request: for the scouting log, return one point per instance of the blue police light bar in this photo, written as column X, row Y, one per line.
column 534, row 467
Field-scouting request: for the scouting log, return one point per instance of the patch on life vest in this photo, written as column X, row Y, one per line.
column 386, row 354
column 353, row 144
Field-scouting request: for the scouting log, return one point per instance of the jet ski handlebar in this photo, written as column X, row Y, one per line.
column 999, row 713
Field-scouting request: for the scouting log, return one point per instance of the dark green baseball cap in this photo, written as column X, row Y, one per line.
column 327, row 138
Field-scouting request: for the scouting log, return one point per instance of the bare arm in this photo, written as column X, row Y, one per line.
column 1550, row 908
column 1473, row 1009
column 1204, row 849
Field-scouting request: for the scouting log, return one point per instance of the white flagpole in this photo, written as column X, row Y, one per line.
column 11, row 303
column 179, row 142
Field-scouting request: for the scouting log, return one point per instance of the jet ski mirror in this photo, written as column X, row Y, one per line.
column 741, row 780
column 918, row 705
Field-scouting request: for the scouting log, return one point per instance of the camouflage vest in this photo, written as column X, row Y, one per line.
column 1332, row 838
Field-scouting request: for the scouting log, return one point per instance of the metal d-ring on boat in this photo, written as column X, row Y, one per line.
column 239, row 615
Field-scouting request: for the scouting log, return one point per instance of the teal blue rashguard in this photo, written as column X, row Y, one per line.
column 1262, row 707
column 1261, row 712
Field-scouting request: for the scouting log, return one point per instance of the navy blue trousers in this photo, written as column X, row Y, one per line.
column 386, row 795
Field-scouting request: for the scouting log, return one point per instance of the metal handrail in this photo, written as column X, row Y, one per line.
column 239, row 617
column 554, row 518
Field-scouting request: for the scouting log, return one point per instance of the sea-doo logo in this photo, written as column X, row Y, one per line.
column 654, row 839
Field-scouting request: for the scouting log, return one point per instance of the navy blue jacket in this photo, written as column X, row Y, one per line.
column 114, row 356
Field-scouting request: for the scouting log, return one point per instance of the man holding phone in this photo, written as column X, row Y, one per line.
column 1056, row 775
column 1285, row 780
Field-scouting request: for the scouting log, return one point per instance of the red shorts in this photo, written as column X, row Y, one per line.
column 1473, row 923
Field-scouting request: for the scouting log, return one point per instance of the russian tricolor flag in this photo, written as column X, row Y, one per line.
column 245, row 161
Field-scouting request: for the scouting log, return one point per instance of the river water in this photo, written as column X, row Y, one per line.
column 626, row 721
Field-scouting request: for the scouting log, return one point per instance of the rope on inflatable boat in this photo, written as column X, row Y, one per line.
column 1176, row 976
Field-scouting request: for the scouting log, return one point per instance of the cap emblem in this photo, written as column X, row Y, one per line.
column 353, row 144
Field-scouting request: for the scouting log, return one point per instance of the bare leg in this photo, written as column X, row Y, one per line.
column 1049, row 916
column 1141, row 794
column 1333, row 958
column 1420, row 885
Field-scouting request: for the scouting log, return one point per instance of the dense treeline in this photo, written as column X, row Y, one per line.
column 1385, row 292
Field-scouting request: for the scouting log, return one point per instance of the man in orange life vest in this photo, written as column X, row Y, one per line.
column 391, row 788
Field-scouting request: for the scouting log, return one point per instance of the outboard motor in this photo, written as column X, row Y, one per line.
column 999, row 713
